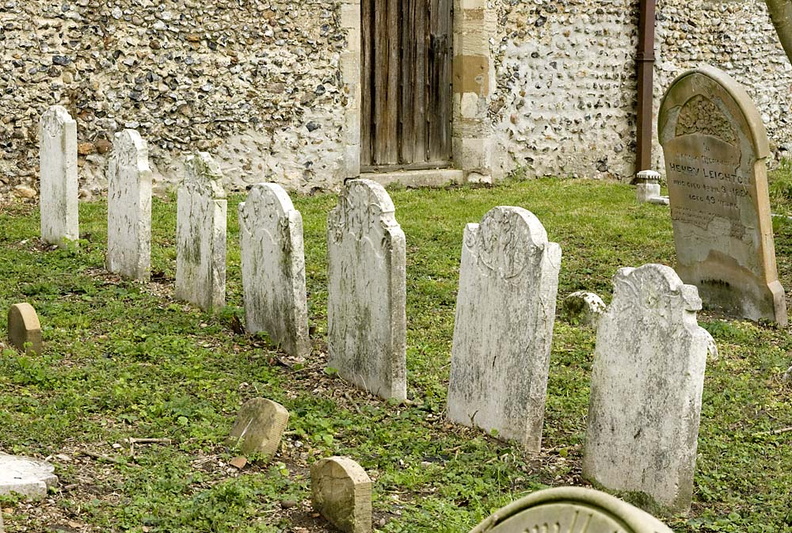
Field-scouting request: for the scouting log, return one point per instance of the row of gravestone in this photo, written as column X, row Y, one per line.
column 504, row 319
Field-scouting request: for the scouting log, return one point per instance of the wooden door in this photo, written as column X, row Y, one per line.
column 406, row 115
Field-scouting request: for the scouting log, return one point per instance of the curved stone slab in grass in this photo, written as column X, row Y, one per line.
column 25, row 476
column 572, row 509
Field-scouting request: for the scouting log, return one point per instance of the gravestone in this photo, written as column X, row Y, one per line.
column 201, row 234
column 508, row 280
column 715, row 147
column 571, row 510
column 259, row 427
column 341, row 492
column 366, row 313
column 24, row 328
column 646, row 387
column 129, row 207
column 25, row 476
column 58, row 177
column 273, row 268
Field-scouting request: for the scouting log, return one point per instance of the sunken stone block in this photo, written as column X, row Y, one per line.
column 259, row 427
column 24, row 328
column 646, row 387
column 25, row 476
column 341, row 491
column 583, row 308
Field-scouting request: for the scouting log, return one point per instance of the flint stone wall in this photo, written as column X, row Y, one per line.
column 257, row 83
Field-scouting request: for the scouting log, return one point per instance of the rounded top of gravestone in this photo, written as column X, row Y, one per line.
column 375, row 192
column 710, row 84
column 25, row 476
column 570, row 508
column 204, row 173
column 272, row 196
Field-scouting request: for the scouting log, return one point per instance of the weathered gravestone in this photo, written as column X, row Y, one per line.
column 25, row 476
column 366, row 314
column 24, row 328
column 259, row 427
column 505, row 312
column 715, row 148
column 201, row 234
column 570, row 510
column 341, row 492
column 646, row 387
column 129, row 207
column 273, row 268
column 58, row 177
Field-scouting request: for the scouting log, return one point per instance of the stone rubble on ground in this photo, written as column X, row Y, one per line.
column 201, row 235
column 273, row 268
column 366, row 300
column 129, row 207
column 341, row 492
column 508, row 280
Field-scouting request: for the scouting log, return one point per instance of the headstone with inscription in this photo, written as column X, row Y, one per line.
column 503, row 331
column 58, row 179
column 129, row 207
column 715, row 148
column 366, row 297
column 201, row 234
column 273, row 268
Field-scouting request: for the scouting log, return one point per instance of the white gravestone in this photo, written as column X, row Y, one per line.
column 273, row 268
column 58, row 177
column 201, row 234
column 646, row 387
column 129, row 207
column 366, row 299
column 508, row 280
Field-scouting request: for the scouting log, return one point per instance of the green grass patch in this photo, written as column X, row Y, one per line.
column 125, row 360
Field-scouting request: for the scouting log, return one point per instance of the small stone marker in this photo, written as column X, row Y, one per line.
column 129, row 207
column 273, row 268
column 647, row 186
column 505, row 313
column 25, row 476
column 570, row 510
column 366, row 301
column 646, row 387
column 584, row 308
column 715, row 148
column 201, row 234
column 58, row 177
column 341, row 491
column 24, row 328
column 259, row 427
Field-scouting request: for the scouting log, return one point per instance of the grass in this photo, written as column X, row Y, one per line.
column 124, row 360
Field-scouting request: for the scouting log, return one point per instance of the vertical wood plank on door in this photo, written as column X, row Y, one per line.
column 407, row 82
column 367, row 83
